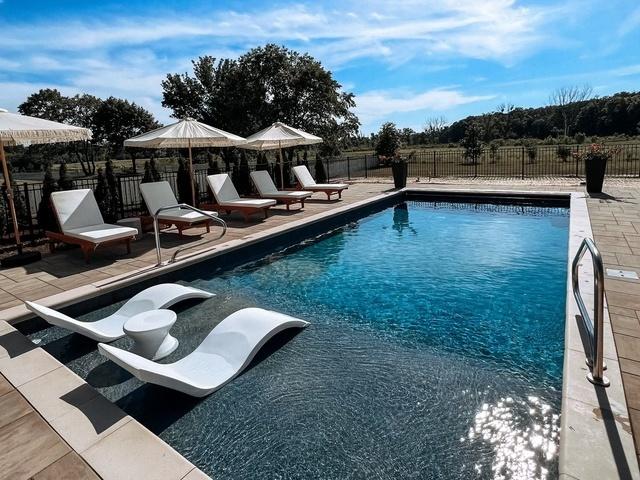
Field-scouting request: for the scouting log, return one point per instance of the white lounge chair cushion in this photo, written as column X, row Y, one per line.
column 222, row 188
column 328, row 186
column 249, row 202
column 157, row 195
column 226, row 194
column 221, row 356
column 101, row 233
column 306, row 180
column 76, row 209
column 183, row 215
column 267, row 189
column 109, row 328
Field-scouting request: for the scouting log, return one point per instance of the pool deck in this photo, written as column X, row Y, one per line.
column 89, row 437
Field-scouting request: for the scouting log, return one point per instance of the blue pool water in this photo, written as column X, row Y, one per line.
column 434, row 352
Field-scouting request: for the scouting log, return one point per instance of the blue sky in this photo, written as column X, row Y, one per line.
column 405, row 61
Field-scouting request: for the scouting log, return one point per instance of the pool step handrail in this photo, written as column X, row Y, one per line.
column 595, row 328
column 156, row 230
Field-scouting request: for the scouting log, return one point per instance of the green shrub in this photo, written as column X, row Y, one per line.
column 46, row 216
column 563, row 152
column 321, row 173
column 64, row 182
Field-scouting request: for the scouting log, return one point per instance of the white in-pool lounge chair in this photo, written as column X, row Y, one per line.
column 267, row 189
column 157, row 195
column 306, row 182
column 221, row 356
column 110, row 328
column 228, row 200
column 81, row 223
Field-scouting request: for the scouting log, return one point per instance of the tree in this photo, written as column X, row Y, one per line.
column 261, row 162
column 532, row 150
column 494, row 150
column 46, row 216
column 565, row 98
column 563, row 152
column 64, row 182
column 388, row 140
column 265, row 85
column 116, row 120
column 434, row 128
column 472, row 142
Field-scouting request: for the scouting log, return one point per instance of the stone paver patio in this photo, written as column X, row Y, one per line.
column 615, row 218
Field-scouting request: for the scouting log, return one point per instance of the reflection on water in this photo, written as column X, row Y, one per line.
column 401, row 219
column 519, row 453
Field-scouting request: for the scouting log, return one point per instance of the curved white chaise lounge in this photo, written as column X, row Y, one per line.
column 110, row 328
column 221, row 356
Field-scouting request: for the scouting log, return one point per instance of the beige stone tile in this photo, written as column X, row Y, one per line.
column 133, row 452
column 5, row 386
column 628, row 347
column 28, row 446
column 69, row 467
column 23, row 362
column 196, row 474
column 624, row 300
column 625, row 325
column 12, row 407
column 632, row 390
column 58, row 392
column 629, row 366
column 89, row 422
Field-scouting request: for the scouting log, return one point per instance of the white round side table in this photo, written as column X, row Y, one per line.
column 150, row 333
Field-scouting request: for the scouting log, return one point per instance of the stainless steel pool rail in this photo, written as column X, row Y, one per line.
column 156, row 230
column 595, row 328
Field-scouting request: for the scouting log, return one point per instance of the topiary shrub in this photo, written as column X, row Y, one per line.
column 103, row 198
column 243, row 177
column 46, row 216
column 64, row 182
column 184, row 184
column 321, row 173
column 563, row 152
column 114, row 192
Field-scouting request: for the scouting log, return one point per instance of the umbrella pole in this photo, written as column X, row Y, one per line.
column 281, row 166
column 191, row 177
column 12, row 208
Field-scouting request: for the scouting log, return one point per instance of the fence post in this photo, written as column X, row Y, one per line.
column 348, row 168
column 522, row 163
column 577, row 161
column 434, row 164
column 120, row 199
column 27, row 202
column 366, row 161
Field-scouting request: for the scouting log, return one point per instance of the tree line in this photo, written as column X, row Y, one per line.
column 570, row 116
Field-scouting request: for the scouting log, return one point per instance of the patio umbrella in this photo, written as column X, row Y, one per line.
column 279, row 136
column 186, row 133
column 18, row 129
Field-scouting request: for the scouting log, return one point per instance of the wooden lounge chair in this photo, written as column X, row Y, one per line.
column 157, row 195
column 110, row 328
column 267, row 189
column 221, row 356
column 81, row 223
column 306, row 182
column 228, row 200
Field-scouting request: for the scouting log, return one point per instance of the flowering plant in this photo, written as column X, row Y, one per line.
column 597, row 151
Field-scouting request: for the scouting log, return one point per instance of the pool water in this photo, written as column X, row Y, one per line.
column 434, row 352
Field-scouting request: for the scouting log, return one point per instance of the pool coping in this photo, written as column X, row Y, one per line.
column 587, row 426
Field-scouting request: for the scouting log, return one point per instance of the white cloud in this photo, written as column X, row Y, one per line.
column 377, row 105
column 630, row 23
column 129, row 56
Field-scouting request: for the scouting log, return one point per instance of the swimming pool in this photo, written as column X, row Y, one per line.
column 435, row 351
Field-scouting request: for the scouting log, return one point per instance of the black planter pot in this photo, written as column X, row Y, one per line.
column 399, row 170
column 594, row 170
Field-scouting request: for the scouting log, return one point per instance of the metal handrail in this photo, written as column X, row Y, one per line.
column 156, row 229
column 594, row 328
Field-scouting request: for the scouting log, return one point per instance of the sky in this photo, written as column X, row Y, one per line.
column 406, row 61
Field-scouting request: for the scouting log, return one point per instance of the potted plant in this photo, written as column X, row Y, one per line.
column 399, row 170
column 595, row 164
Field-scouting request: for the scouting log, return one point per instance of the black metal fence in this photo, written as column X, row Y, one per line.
column 507, row 162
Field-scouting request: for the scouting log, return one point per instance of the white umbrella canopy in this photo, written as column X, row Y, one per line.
column 280, row 136
column 16, row 129
column 187, row 133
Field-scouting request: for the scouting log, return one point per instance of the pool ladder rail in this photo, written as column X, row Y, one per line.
column 595, row 328
column 156, row 230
